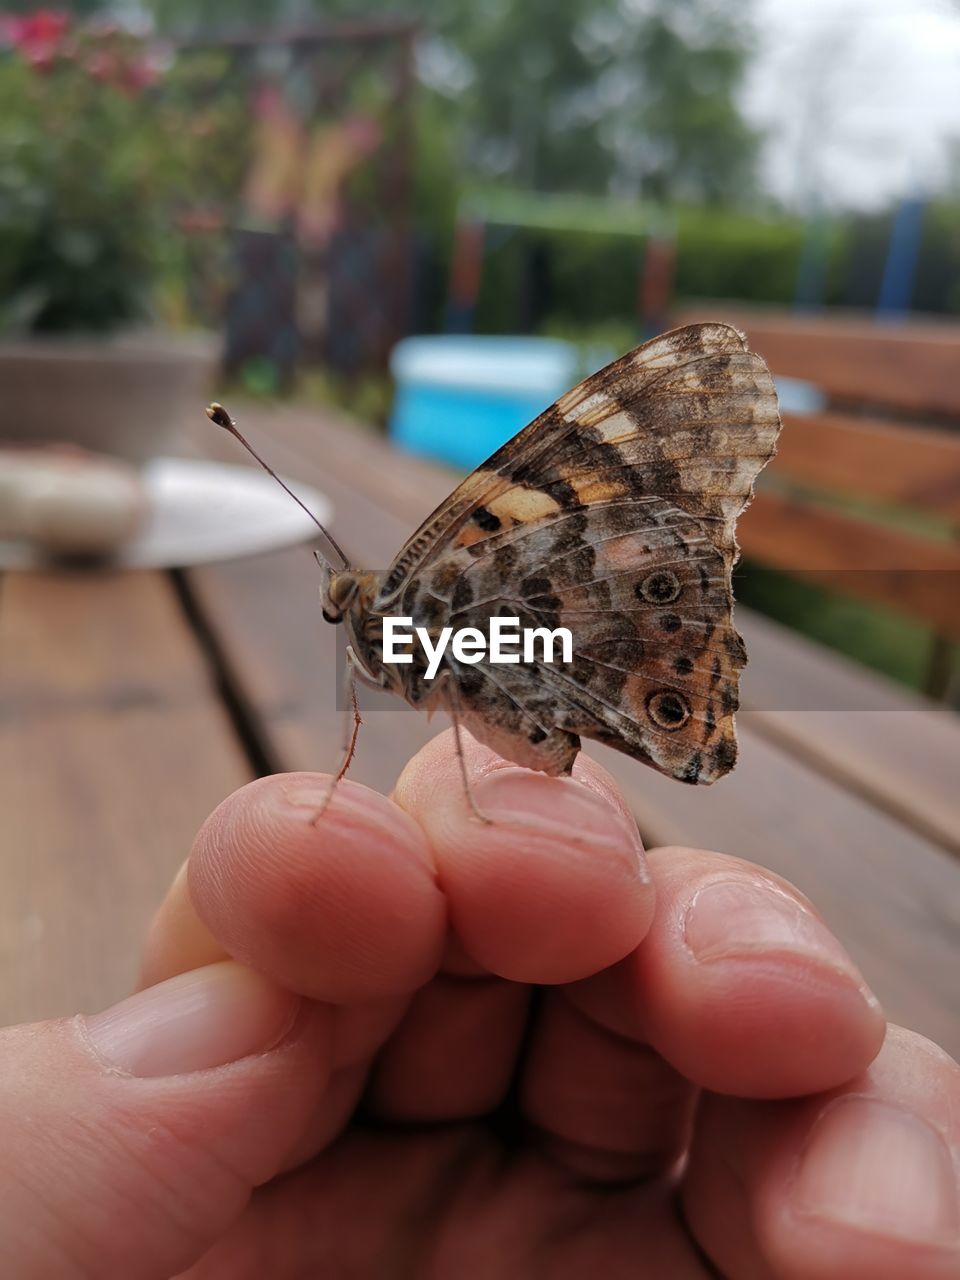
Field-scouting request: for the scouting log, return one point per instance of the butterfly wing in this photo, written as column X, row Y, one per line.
column 612, row 514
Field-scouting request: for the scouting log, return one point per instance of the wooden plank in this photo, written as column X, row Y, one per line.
column 885, row 888
column 113, row 748
column 907, row 465
column 781, row 530
column 853, row 557
column 911, row 365
column 874, row 737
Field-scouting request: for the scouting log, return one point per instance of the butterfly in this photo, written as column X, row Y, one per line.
column 612, row 514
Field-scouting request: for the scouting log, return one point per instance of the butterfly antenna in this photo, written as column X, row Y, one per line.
column 331, row 551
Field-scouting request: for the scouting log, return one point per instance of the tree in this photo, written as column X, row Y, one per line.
column 594, row 95
column 636, row 96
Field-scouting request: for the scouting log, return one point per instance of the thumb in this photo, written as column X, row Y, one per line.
column 133, row 1138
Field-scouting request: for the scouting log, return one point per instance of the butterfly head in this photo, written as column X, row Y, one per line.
column 339, row 593
column 348, row 597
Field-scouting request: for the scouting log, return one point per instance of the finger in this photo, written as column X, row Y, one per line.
column 611, row 1059
column 343, row 908
column 554, row 885
column 739, row 984
column 862, row 1183
column 177, row 940
column 453, row 1055
column 133, row 1139
column 607, row 1107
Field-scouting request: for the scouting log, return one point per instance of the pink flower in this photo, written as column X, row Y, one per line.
column 46, row 26
column 32, row 30
column 36, row 36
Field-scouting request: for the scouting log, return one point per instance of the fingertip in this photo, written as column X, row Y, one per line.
column 866, row 1180
column 554, row 885
column 743, row 987
column 857, row 1181
column 334, row 897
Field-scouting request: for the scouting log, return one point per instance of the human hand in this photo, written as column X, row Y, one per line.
column 443, row 1049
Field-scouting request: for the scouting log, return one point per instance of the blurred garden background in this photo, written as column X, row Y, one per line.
column 315, row 180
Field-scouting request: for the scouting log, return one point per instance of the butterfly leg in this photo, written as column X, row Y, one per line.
column 474, row 808
column 454, row 709
column 352, row 721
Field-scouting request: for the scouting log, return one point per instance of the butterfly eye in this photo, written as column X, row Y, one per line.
column 338, row 595
column 661, row 587
column 668, row 710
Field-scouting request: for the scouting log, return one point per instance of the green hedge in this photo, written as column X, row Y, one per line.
column 585, row 277
column 555, row 279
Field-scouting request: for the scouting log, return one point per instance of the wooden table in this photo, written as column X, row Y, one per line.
column 131, row 703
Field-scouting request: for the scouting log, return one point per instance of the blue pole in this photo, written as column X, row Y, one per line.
column 900, row 268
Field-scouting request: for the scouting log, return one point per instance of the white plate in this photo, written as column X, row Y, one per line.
column 201, row 512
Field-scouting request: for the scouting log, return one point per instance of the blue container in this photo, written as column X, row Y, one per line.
column 799, row 397
column 460, row 398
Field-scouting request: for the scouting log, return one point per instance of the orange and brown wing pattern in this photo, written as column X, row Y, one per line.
column 612, row 514
column 693, row 409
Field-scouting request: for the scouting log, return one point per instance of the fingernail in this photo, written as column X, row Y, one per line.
column 201, row 1019
column 876, row 1167
column 559, row 808
column 342, row 800
column 309, row 795
column 737, row 919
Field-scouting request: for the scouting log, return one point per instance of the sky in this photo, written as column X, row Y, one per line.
column 860, row 98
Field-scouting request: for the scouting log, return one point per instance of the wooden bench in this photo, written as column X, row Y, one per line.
column 888, row 438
